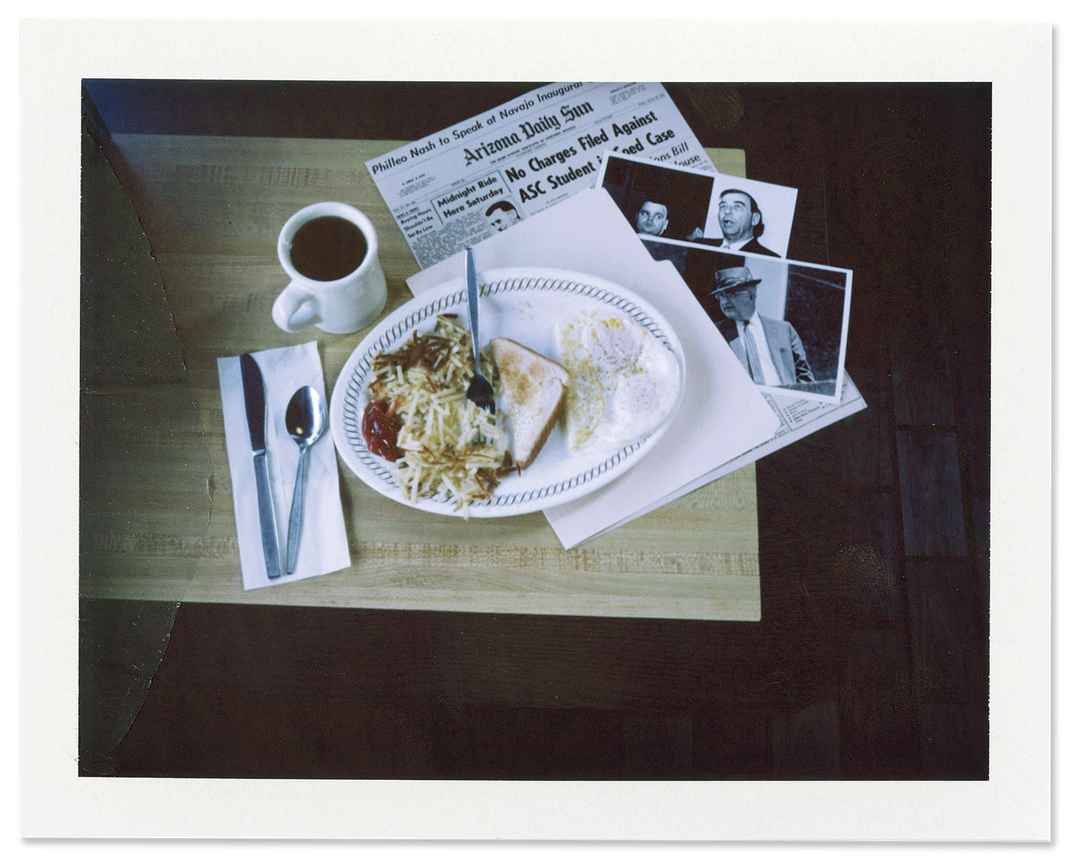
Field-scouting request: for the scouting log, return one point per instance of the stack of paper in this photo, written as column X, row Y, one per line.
column 723, row 415
column 601, row 149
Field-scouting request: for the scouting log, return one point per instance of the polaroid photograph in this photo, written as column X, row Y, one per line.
column 786, row 321
column 665, row 201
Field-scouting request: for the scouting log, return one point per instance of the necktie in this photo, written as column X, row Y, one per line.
column 752, row 353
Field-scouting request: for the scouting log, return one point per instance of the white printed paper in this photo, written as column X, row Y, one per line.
column 455, row 188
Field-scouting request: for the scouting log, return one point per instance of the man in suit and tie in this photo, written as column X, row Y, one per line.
column 769, row 349
column 741, row 221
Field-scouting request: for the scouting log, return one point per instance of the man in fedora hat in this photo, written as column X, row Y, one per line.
column 769, row 349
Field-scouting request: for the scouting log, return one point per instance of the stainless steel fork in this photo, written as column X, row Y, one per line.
column 480, row 390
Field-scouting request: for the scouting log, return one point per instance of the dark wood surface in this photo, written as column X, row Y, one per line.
column 871, row 660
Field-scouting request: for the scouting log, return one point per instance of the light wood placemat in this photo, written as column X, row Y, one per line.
column 211, row 208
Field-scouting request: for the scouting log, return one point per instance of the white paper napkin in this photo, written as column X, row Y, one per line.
column 723, row 414
column 323, row 547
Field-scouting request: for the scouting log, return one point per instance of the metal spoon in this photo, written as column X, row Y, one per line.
column 306, row 420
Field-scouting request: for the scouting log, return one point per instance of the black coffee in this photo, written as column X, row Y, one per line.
column 328, row 248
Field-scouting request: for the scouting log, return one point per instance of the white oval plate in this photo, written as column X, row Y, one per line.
column 523, row 304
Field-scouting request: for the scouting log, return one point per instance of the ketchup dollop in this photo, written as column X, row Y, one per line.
column 380, row 426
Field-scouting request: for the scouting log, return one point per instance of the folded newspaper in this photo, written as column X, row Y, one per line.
column 461, row 185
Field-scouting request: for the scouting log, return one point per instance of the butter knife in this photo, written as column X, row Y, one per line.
column 253, row 388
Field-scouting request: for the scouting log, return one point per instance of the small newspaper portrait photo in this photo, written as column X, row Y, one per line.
column 501, row 215
column 666, row 202
column 786, row 321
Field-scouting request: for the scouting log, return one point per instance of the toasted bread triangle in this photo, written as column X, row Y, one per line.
column 534, row 390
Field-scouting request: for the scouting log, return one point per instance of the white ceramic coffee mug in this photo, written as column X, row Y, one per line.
column 341, row 302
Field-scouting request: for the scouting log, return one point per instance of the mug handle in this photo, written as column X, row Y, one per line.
column 295, row 309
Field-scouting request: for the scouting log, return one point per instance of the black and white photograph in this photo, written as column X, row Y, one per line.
column 668, row 202
column 749, row 215
column 786, row 321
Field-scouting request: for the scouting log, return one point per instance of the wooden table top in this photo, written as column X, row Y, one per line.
column 163, row 527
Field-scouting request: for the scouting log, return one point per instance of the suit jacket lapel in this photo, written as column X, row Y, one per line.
column 781, row 350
